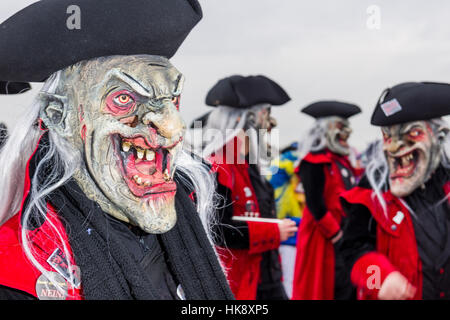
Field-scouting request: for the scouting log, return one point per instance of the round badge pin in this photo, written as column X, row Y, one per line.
column 47, row 290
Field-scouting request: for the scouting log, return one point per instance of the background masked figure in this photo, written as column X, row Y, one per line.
column 290, row 202
column 398, row 239
column 95, row 181
column 234, row 141
column 325, row 172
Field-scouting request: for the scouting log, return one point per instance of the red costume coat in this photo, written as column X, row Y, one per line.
column 16, row 271
column 396, row 245
column 314, row 272
column 243, row 265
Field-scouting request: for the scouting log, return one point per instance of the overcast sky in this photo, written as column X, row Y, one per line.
column 321, row 49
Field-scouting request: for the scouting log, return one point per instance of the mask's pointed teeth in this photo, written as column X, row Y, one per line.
column 126, row 146
column 165, row 154
column 147, row 184
column 150, row 155
column 167, row 176
column 140, row 153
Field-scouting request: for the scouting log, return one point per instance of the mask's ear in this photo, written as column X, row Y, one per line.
column 53, row 112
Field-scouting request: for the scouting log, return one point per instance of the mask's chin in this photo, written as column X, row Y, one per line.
column 406, row 172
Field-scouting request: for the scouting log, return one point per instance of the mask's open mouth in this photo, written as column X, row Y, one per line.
column 146, row 170
column 342, row 139
column 405, row 165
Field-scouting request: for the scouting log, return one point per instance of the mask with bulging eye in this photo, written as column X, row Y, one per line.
column 122, row 114
column 413, row 152
column 337, row 134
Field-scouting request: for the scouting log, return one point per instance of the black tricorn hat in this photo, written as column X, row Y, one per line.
column 412, row 101
column 244, row 92
column 8, row 87
column 322, row 109
column 50, row 35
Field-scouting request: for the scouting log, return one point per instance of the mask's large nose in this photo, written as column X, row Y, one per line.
column 166, row 121
column 395, row 145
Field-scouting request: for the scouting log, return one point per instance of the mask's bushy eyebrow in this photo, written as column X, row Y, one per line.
column 408, row 126
column 130, row 81
column 153, row 64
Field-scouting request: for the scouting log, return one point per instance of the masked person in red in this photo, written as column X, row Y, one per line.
column 325, row 172
column 94, row 177
column 235, row 142
column 398, row 237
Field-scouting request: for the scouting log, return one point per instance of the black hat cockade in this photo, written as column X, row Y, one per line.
column 43, row 38
column 244, row 92
column 323, row 109
column 412, row 101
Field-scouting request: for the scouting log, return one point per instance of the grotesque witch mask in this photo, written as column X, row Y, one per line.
column 259, row 117
column 337, row 132
column 413, row 152
column 121, row 114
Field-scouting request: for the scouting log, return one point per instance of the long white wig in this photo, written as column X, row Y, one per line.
column 223, row 125
column 20, row 146
column 315, row 139
column 377, row 169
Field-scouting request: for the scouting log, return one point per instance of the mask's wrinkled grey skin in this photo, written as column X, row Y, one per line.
column 121, row 113
column 259, row 117
column 337, row 133
column 413, row 152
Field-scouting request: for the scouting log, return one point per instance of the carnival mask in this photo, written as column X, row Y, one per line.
column 413, row 153
column 259, row 118
column 121, row 113
column 337, row 133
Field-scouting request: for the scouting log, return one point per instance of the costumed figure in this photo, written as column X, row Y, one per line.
column 398, row 237
column 290, row 202
column 235, row 142
column 325, row 172
column 95, row 181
